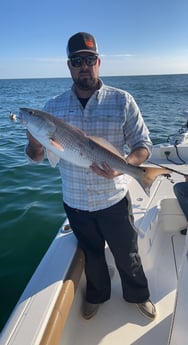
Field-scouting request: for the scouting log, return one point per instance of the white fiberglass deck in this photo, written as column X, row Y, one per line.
column 118, row 322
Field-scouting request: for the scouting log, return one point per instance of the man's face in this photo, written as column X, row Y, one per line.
column 84, row 69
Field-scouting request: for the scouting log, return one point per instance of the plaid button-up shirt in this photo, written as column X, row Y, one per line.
column 109, row 113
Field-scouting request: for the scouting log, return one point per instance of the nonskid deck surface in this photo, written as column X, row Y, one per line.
column 118, row 322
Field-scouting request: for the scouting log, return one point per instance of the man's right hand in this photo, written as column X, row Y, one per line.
column 34, row 149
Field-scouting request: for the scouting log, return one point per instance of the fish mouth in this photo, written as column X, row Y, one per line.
column 27, row 110
column 21, row 117
column 23, row 121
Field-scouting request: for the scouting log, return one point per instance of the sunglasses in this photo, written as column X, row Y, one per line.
column 78, row 61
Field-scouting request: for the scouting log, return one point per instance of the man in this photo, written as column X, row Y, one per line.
column 95, row 199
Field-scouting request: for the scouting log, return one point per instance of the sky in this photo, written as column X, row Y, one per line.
column 135, row 37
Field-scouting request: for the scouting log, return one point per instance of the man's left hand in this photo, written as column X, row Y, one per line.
column 104, row 170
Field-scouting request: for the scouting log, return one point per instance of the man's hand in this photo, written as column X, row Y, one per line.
column 34, row 149
column 104, row 170
column 136, row 157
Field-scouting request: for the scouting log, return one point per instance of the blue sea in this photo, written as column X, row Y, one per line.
column 31, row 209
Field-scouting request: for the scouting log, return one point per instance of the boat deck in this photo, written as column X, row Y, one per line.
column 118, row 322
column 45, row 303
column 161, row 248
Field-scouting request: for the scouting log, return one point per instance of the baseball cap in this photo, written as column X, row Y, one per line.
column 81, row 42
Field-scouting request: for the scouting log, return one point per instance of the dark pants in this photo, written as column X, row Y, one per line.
column 112, row 225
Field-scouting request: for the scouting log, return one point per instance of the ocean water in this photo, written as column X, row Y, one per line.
column 31, row 209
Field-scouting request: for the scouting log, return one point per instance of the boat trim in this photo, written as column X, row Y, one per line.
column 62, row 307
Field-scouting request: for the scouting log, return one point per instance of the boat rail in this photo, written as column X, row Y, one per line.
column 43, row 308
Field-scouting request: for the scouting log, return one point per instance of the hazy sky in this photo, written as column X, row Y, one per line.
column 134, row 37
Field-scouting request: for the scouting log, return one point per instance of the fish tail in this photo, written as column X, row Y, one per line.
column 149, row 175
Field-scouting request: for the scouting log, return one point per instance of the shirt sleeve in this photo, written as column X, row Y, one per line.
column 136, row 133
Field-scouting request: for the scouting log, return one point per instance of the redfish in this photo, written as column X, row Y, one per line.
column 64, row 141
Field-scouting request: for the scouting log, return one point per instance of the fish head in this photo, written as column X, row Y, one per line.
column 36, row 123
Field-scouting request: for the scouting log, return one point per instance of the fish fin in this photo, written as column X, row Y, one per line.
column 52, row 158
column 56, row 144
column 148, row 177
column 105, row 144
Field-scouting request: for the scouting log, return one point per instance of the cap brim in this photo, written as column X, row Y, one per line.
column 83, row 51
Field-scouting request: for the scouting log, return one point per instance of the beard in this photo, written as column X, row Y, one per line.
column 86, row 82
